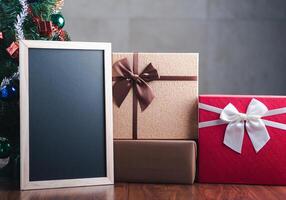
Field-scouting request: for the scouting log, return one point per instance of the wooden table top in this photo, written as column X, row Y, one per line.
column 124, row 191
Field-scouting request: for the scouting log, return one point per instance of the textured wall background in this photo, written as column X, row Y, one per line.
column 241, row 43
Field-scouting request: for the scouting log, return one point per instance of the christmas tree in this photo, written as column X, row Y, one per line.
column 20, row 19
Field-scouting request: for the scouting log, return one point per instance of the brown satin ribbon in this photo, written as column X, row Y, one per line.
column 142, row 92
column 135, row 101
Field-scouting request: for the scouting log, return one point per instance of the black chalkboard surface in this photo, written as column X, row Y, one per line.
column 66, row 89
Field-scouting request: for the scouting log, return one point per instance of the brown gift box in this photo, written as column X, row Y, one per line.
column 173, row 112
column 155, row 161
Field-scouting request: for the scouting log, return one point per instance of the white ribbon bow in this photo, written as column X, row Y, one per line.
column 255, row 126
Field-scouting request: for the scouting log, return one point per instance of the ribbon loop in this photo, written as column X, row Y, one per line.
column 230, row 114
column 128, row 79
column 256, row 107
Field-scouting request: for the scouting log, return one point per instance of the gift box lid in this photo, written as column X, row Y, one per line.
column 172, row 114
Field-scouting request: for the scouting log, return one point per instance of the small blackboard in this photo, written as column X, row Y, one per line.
column 66, row 114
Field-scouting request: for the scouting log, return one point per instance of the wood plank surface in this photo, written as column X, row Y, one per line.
column 124, row 191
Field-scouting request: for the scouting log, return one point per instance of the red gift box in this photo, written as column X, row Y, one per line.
column 13, row 50
column 220, row 161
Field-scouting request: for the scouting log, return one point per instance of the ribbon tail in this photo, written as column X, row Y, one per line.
column 120, row 91
column 145, row 95
column 234, row 134
column 258, row 133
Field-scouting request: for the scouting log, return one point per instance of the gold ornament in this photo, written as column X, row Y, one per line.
column 58, row 6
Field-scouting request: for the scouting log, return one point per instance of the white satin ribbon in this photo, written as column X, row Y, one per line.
column 255, row 126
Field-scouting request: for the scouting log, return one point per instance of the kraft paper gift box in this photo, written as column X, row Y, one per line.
column 155, row 161
column 155, row 95
column 242, row 139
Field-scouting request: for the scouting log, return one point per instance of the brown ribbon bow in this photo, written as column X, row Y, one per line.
column 128, row 78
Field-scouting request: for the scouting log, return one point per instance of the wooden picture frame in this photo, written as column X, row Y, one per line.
column 76, row 59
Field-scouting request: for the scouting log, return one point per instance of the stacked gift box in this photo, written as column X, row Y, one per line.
column 241, row 139
column 155, row 116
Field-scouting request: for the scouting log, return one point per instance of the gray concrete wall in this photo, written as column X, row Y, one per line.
column 241, row 42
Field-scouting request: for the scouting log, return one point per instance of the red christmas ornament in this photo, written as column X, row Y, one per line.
column 13, row 50
column 62, row 35
column 1, row 36
column 59, row 32
column 44, row 27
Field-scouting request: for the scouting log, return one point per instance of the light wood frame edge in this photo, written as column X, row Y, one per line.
column 25, row 183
